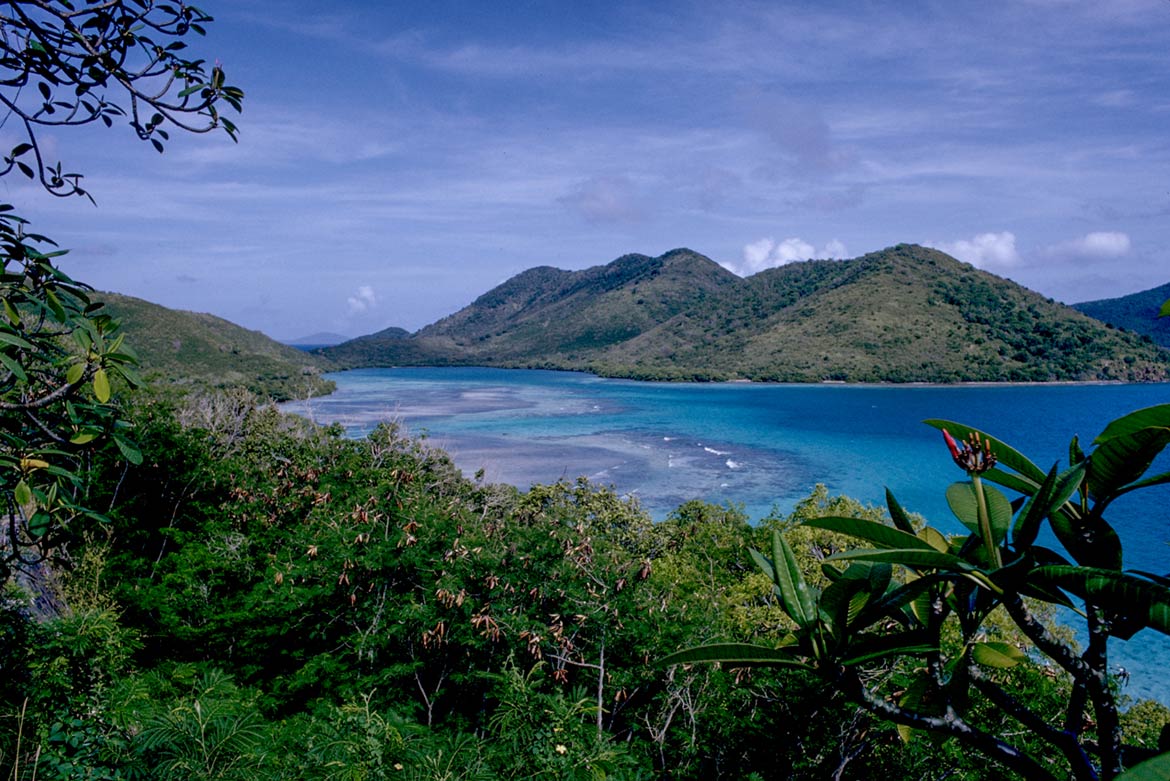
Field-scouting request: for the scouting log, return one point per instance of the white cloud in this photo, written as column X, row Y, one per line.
column 987, row 250
column 362, row 301
column 1100, row 244
column 768, row 253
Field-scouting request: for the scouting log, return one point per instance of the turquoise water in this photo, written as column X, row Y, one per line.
column 760, row 446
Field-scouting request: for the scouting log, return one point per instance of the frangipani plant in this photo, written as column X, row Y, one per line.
column 927, row 606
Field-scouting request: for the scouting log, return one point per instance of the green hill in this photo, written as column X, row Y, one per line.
column 1137, row 312
column 190, row 348
column 904, row 314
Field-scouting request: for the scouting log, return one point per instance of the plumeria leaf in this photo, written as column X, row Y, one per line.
column 964, row 504
column 735, row 654
column 1158, row 768
column 914, row 557
column 897, row 514
column 998, row 655
column 1057, row 489
column 872, row 532
column 794, row 589
column 1126, row 448
column 1122, row 592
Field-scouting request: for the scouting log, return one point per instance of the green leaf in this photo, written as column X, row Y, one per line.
column 1148, row 604
column 965, row 505
column 1057, row 489
column 998, row 655
column 915, row 558
column 897, row 514
column 22, row 493
column 1157, row 416
column 905, row 596
column 1092, row 542
column 916, row 643
column 764, row 564
column 82, row 438
column 1011, row 481
column 911, row 700
column 1125, row 450
column 834, row 605
column 794, row 590
column 871, row 531
column 75, row 373
column 128, row 450
column 101, row 386
column 39, row 524
column 1165, row 310
column 10, row 311
column 844, row 600
column 15, row 341
column 13, row 366
column 1004, row 454
column 1161, row 479
column 935, row 539
column 1123, row 460
column 1158, row 768
column 737, row 654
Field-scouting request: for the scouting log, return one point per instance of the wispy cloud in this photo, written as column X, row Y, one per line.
column 606, row 199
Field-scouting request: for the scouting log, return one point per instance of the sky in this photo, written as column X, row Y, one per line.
column 398, row 159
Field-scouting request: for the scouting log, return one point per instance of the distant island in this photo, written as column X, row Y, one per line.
column 904, row 314
column 319, row 339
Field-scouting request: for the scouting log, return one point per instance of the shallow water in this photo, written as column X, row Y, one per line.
column 759, row 446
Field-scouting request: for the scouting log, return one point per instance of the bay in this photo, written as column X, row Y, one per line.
column 762, row 447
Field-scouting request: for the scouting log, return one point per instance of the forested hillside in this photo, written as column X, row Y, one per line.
column 194, row 348
column 1137, row 312
column 905, row 314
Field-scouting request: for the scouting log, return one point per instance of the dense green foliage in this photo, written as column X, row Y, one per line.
column 931, row 632
column 904, row 314
column 273, row 600
column 1139, row 312
column 193, row 349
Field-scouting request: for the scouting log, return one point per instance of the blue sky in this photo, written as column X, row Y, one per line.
column 398, row 159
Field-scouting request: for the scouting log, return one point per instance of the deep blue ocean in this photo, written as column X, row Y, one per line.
column 759, row 446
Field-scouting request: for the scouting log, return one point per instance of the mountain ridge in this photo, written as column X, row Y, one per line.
column 903, row 314
column 1137, row 312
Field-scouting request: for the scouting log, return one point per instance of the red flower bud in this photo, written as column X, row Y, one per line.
column 952, row 445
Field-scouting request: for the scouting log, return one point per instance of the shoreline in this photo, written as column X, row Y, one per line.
column 744, row 382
